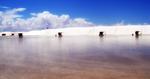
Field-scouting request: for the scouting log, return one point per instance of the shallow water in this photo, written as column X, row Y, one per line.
column 75, row 57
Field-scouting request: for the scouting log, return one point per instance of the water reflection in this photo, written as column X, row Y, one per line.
column 77, row 54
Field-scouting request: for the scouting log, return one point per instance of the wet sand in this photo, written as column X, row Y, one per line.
column 87, row 57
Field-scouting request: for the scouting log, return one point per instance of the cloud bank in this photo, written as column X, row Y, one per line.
column 12, row 20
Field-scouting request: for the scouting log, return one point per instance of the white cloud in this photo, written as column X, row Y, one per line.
column 4, row 7
column 8, row 18
column 12, row 20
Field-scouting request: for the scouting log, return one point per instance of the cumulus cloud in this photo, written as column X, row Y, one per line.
column 8, row 18
column 12, row 20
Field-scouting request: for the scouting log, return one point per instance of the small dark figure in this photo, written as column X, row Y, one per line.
column 55, row 35
column 20, row 35
column 101, row 34
column 137, row 33
column 3, row 34
column 60, row 34
column 12, row 34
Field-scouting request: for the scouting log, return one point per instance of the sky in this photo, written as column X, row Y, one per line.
column 40, row 14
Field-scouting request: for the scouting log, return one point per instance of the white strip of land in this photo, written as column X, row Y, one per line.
column 106, row 30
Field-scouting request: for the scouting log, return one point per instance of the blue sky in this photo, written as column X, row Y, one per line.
column 16, row 15
column 97, row 11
